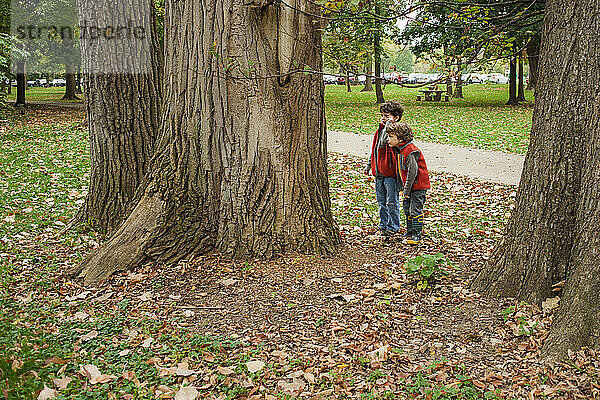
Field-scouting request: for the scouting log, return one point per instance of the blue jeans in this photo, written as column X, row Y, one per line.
column 386, row 192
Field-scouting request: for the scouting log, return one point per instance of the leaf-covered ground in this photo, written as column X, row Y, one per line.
column 353, row 326
column 480, row 120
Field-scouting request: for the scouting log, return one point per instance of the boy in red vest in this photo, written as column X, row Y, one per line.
column 414, row 177
column 382, row 165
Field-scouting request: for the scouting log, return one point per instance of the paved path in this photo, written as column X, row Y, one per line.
column 491, row 166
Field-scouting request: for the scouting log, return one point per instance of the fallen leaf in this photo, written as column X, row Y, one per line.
column 186, row 393
column 16, row 365
column 62, row 383
column 380, row 354
column 255, row 366
column 55, row 360
column 80, row 315
column 89, row 336
column 47, row 393
column 224, row 370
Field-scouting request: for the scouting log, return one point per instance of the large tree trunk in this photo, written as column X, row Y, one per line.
column 377, row 56
column 21, row 83
column 70, row 87
column 533, row 51
column 368, row 83
column 520, row 87
column 552, row 236
column 122, row 108
column 241, row 163
column 512, row 82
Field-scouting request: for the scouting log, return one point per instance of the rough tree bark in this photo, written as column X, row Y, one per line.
column 512, row 82
column 241, row 162
column 70, row 87
column 552, row 236
column 122, row 110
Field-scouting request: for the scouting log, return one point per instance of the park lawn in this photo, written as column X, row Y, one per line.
column 44, row 94
column 231, row 328
column 480, row 120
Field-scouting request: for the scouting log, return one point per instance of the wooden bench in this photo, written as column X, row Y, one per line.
column 419, row 98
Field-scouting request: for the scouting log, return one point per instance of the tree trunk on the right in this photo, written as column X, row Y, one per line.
column 512, row 82
column 552, row 236
column 122, row 110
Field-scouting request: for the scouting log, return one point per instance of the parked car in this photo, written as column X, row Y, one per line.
column 329, row 79
column 58, row 82
column 31, row 83
column 496, row 78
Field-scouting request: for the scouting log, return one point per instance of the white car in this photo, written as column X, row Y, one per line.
column 58, row 82
column 496, row 78
column 329, row 79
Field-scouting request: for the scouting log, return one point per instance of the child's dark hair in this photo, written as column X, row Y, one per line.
column 402, row 130
column 392, row 107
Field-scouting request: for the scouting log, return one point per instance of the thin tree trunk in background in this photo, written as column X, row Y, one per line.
column 122, row 110
column 458, row 92
column 70, row 88
column 512, row 82
column 449, row 84
column 348, row 88
column 552, row 235
column 368, row 83
column 78, row 89
column 21, row 83
column 521, row 90
column 245, row 175
column 377, row 56
column 533, row 50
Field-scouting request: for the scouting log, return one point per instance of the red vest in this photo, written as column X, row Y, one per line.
column 385, row 163
column 422, row 179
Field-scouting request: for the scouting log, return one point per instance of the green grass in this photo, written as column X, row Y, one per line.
column 480, row 120
column 44, row 94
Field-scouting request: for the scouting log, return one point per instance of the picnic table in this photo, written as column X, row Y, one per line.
column 432, row 95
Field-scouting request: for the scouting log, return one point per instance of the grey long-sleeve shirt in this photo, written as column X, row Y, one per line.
column 413, row 168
